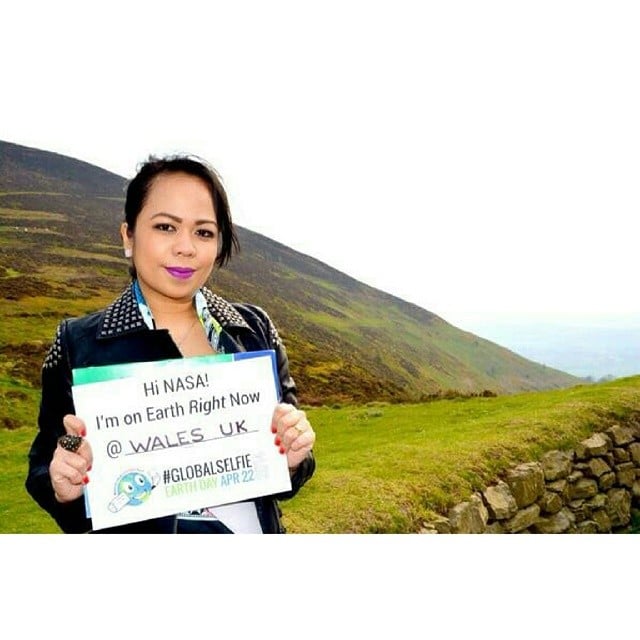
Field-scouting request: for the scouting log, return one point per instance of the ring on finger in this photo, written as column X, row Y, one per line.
column 299, row 429
column 70, row 442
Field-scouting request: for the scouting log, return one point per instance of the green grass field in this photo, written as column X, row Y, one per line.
column 387, row 468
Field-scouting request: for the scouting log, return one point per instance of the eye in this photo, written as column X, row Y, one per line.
column 164, row 226
column 140, row 480
column 128, row 487
column 206, row 233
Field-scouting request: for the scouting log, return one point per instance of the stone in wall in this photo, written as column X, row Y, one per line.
column 619, row 507
column 601, row 518
column 634, row 425
column 500, row 502
column 579, row 510
column 550, row 503
column 583, row 468
column 522, row 520
column 427, row 529
column 588, row 526
column 561, row 487
column 626, row 474
column 597, row 467
column 574, row 476
column 634, row 450
column 621, row 455
column 441, row 524
column 606, row 481
column 526, row 483
column 556, row 465
column 469, row 517
column 557, row 523
column 597, row 445
column 620, row 435
column 598, row 502
column 583, row 488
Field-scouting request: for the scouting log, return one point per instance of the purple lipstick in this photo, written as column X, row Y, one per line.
column 182, row 273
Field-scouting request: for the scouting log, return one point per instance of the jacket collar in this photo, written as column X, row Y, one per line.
column 123, row 315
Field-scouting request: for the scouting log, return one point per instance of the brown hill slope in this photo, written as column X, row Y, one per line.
column 60, row 255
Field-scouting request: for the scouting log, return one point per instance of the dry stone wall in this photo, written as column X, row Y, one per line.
column 594, row 488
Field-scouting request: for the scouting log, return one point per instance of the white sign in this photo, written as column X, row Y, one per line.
column 178, row 435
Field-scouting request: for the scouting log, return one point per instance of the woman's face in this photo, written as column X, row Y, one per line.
column 175, row 241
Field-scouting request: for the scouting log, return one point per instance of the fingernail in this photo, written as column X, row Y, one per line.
column 85, row 480
column 282, row 450
column 89, row 468
column 274, row 429
column 278, row 441
column 83, row 432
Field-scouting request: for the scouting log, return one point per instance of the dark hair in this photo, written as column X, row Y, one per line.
column 138, row 191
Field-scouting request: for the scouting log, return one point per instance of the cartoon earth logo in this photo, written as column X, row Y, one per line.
column 132, row 488
column 136, row 485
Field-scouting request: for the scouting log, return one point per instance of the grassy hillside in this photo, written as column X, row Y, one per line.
column 388, row 467
column 60, row 255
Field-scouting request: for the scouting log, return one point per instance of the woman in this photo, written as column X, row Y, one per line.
column 177, row 227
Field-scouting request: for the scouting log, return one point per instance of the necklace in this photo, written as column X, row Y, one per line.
column 186, row 335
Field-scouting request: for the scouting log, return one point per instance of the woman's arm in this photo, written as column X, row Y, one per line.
column 291, row 439
column 56, row 402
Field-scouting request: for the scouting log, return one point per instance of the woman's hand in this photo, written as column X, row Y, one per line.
column 68, row 469
column 293, row 433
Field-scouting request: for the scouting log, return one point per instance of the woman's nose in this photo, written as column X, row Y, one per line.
column 184, row 244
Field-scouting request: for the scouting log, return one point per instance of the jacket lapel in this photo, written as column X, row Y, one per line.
column 123, row 317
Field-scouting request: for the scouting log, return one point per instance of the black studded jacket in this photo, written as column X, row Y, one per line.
column 117, row 335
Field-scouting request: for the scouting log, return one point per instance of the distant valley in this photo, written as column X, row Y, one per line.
column 594, row 346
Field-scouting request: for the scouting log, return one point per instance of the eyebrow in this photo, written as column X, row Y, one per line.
column 179, row 219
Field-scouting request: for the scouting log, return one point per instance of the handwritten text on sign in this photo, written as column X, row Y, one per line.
column 178, row 435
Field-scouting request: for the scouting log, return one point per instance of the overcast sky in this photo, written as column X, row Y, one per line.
column 465, row 156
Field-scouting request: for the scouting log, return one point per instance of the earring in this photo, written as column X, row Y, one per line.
column 128, row 253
